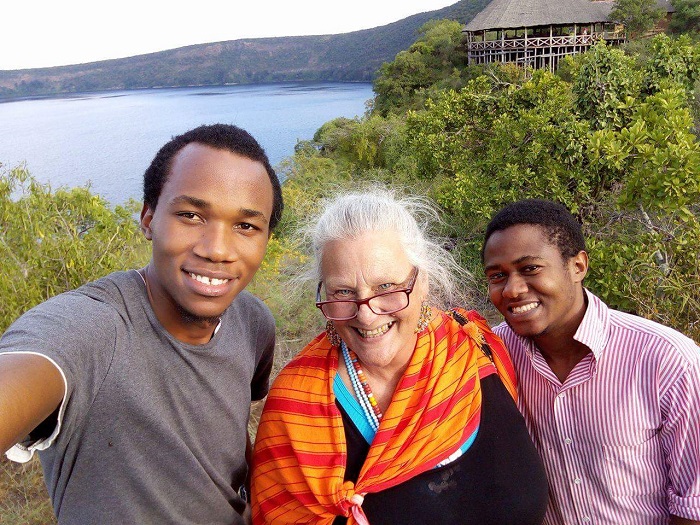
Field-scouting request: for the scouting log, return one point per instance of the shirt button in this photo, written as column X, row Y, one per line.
column 577, row 481
column 568, row 441
column 586, row 519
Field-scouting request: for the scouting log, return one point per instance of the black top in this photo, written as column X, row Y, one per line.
column 500, row 479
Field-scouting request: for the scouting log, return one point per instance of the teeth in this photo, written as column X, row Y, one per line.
column 377, row 331
column 206, row 280
column 524, row 308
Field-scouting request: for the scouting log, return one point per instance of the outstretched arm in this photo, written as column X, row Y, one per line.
column 32, row 388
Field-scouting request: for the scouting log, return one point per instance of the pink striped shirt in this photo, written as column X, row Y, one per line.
column 620, row 438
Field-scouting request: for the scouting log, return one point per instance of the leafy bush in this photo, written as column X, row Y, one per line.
column 612, row 137
column 435, row 58
column 686, row 17
column 54, row 241
column 638, row 16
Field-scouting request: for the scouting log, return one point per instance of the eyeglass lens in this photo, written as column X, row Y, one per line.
column 381, row 304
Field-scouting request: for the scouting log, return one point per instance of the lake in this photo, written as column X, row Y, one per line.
column 109, row 139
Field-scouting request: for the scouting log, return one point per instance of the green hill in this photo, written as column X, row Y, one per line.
column 348, row 57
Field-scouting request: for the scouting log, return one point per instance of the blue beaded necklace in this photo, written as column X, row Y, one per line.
column 363, row 392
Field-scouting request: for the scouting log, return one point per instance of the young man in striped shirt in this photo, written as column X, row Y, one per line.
column 611, row 400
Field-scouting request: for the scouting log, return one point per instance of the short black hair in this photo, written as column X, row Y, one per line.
column 219, row 136
column 554, row 218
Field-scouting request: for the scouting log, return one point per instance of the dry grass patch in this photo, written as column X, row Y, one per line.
column 23, row 496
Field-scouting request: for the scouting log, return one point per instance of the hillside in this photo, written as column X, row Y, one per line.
column 348, row 57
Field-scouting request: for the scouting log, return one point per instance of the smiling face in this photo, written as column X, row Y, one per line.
column 538, row 292
column 360, row 268
column 209, row 233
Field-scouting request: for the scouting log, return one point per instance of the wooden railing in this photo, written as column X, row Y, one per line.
column 554, row 41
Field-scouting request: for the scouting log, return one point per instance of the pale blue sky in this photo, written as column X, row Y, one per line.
column 49, row 33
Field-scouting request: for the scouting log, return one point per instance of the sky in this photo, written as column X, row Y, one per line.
column 49, row 33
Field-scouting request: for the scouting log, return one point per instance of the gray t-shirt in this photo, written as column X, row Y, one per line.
column 152, row 430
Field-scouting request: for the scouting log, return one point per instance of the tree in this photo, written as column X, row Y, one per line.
column 638, row 16
column 434, row 56
column 675, row 60
column 54, row 241
column 686, row 17
column 493, row 142
column 606, row 86
column 622, row 159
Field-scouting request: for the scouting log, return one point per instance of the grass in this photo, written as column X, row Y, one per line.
column 23, row 496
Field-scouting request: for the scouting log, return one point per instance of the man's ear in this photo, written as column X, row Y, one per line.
column 146, row 217
column 579, row 266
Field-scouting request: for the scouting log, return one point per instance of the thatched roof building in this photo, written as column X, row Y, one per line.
column 540, row 32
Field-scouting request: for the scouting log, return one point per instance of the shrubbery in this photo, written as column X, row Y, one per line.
column 52, row 241
column 612, row 136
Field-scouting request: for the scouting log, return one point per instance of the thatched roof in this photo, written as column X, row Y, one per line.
column 510, row 14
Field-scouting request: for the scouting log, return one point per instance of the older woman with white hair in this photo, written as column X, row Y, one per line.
column 401, row 411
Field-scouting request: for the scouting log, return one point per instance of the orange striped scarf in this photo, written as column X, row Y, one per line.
column 300, row 449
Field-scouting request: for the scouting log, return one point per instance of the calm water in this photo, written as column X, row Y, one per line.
column 108, row 139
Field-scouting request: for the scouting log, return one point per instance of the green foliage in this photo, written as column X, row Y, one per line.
column 673, row 60
column 664, row 61
column 657, row 154
column 606, row 86
column 676, row 60
column 494, row 142
column 695, row 108
column 612, row 149
column 373, row 143
column 437, row 55
column 638, row 16
column 308, row 176
column 686, row 17
column 53, row 241
column 648, row 264
column 342, row 153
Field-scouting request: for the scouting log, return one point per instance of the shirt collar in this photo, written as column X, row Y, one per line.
column 595, row 325
column 592, row 332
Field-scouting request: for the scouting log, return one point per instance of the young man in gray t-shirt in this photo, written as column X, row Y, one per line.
column 136, row 388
